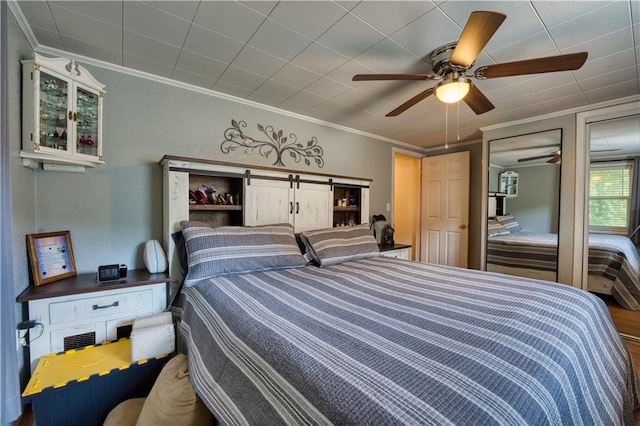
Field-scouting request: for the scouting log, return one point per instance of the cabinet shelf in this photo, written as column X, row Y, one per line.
column 214, row 207
column 346, row 209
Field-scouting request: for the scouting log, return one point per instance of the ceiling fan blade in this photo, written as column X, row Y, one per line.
column 411, row 102
column 479, row 28
column 372, row 77
column 477, row 101
column 538, row 157
column 569, row 62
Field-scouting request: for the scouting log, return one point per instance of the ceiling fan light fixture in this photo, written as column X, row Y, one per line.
column 452, row 89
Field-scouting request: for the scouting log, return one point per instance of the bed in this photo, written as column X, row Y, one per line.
column 614, row 263
column 356, row 338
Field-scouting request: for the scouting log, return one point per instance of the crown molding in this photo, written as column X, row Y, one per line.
column 577, row 110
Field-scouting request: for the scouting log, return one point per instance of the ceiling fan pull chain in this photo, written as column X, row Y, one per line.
column 446, row 126
column 458, row 121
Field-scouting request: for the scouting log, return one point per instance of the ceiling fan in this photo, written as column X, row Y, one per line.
column 452, row 61
column 556, row 156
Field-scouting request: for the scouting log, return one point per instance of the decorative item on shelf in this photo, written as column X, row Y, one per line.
column 353, row 200
column 50, row 257
column 154, row 257
column 276, row 144
column 387, row 235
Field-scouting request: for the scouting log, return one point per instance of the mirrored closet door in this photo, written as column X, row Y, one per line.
column 524, row 204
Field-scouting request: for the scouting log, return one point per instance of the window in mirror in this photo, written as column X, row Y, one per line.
column 610, row 197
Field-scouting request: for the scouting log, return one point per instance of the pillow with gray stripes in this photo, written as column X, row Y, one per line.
column 332, row 246
column 214, row 252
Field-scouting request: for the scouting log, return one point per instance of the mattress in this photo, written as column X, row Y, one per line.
column 386, row 341
column 613, row 257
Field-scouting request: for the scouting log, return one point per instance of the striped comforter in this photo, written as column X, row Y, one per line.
column 386, row 341
column 612, row 256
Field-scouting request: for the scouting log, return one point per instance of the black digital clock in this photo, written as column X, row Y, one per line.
column 108, row 273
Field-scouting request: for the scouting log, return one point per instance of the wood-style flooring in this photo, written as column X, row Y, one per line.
column 627, row 322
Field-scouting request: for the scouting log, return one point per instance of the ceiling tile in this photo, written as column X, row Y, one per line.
column 615, row 91
column 557, row 13
column 89, row 50
column 345, row 72
column 602, row 21
column 211, row 44
column 278, row 40
column 536, row 46
column 569, row 101
column 606, row 64
column 184, row 9
column 389, row 57
column 556, row 92
column 190, row 78
column 618, row 76
column 194, row 63
column 149, row 48
column 319, row 58
column 601, row 46
column 105, row 11
column 258, row 61
column 264, row 99
column 239, row 77
column 295, row 76
column 232, row 89
column 521, row 22
column 545, row 81
column 276, row 90
column 305, row 99
column 88, row 29
column 154, row 23
column 350, row 36
column 232, row 19
column 48, row 38
column 146, row 65
column 38, row 14
column 388, row 17
column 261, row 6
column 428, row 32
column 327, row 88
column 308, row 18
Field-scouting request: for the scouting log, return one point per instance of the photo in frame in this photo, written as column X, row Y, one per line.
column 51, row 257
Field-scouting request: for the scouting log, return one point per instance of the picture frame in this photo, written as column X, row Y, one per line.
column 50, row 257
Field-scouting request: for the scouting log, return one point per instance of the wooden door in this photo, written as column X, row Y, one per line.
column 445, row 209
column 313, row 207
column 267, row 202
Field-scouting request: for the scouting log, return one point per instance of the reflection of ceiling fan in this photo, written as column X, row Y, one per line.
column 451, row 62
column 555, row 157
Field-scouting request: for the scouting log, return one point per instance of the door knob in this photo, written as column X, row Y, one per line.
column 463, row 226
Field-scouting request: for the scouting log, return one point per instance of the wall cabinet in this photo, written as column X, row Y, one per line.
column 509, row 183
column 61, row 116
column 261, row 196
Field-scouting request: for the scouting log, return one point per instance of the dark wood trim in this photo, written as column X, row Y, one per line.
column 86, row 283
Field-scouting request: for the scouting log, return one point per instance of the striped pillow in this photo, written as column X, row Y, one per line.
column 214, row 252
column 332, row 246
column 495, row 228
column 509, row 222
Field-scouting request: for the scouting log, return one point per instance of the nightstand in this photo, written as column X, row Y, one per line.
column 77, row 311
column 398, row 251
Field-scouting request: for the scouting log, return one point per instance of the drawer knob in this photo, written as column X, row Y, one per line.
column 116, row 303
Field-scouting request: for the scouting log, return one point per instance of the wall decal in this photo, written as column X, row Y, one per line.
column 276, row 144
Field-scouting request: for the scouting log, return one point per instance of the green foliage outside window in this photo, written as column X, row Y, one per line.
column 609, row 196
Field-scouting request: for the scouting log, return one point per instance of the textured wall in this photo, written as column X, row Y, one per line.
column 112, row 209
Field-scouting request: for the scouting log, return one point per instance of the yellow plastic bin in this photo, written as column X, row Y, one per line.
column 81, row 386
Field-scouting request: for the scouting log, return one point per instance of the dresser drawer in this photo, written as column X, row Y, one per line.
column 100, row 306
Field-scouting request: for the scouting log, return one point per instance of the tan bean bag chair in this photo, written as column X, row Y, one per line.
column 172, row 401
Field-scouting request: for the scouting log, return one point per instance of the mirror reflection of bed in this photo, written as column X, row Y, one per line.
column 529, row 247
column 524, row 193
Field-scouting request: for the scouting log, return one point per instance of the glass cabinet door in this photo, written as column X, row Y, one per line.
column 53, row 117
column 87, row 113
